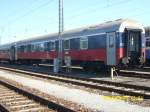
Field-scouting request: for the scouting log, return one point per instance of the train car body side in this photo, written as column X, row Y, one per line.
column 116, row 43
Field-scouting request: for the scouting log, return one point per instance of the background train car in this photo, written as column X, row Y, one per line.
column 147, row 35
column 113, row 43
column 5, row 53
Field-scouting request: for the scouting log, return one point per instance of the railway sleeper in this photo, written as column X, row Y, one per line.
column 19, row 102
column 24, row 107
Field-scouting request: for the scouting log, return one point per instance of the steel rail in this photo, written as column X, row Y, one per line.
column 36, row 98
column 120, row 88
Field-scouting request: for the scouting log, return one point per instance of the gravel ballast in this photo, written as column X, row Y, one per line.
column 89, row 100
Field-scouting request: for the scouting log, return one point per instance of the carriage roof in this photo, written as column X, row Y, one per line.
column 110, row 26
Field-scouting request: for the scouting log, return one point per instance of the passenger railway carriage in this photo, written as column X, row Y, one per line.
column 147, row 35
column 114, row 43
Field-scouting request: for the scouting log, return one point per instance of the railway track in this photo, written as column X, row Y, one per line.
column 135, row 73
column 15, row 99
column 121, row 88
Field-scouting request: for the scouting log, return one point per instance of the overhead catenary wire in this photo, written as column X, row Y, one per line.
column 69, row 18
column 23, row 8
column 93, row 10
column 80, row 15
column 22, row 16
column 28, row 13
column 98, row 9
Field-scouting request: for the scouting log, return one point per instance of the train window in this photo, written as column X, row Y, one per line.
column 32, row 48
column 134, row 41
column 147, row 43
column 111, row 41
column 75, row 44
column 84, row 43
column 21, row 48
column 29, row 48
column 39, row 47
column 25, row 48
column 36, row 47
column 66, row 44
column 47, row 46
column 147, row 33
column 52, row 46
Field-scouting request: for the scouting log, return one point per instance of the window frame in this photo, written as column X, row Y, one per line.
column 32, row 47
column 28, row 47
column 68, row 47
column 47, row 46
column 111, row 41
column 148, row 44
column 25, row 49
column 54, row 46
column 41, row 47
column 82, row 40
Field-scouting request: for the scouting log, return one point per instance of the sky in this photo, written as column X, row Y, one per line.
column 22, row 19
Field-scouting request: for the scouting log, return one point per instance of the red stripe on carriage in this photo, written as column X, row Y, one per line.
column 84, row 55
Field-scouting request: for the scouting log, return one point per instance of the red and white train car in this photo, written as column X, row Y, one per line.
column 114, row 43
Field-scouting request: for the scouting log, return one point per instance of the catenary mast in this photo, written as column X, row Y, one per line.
column 61, row 29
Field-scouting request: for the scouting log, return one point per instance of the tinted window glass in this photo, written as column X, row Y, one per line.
column 66, row 44
column 75, row 44
column 52, row 46
column 84, row 43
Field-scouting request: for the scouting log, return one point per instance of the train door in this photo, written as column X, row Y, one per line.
column 134, row 46
column 111, row 48
column 13, row 53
